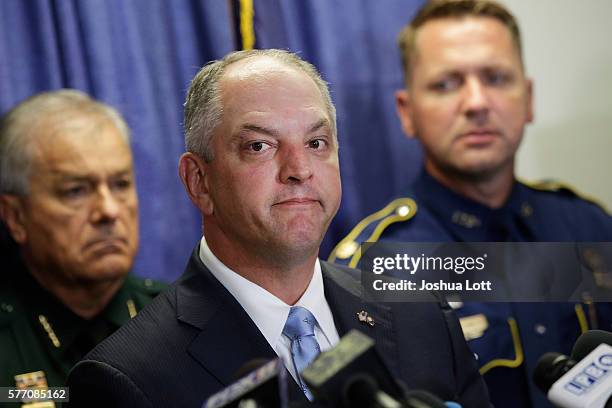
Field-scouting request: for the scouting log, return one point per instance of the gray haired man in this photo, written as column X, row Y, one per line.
column 262, row 168
column 68, row 200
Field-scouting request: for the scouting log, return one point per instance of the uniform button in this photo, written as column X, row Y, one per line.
column 6, row 307
column 455, row 305
column 403, row 211
column 540, row 329
column 347, row 249
column 526, row 210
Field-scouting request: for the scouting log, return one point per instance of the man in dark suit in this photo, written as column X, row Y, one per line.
column 262, row 167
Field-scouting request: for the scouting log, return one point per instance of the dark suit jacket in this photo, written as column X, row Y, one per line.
column 189, row 343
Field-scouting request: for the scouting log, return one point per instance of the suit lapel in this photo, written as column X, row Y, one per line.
column 228, row 339
column 343, row 293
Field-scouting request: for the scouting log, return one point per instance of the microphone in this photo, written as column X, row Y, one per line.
column 249, row 366
column 352, row 374
column 588, row 341
column 549, row 368
column 582, row 380
column 362, row 391
column 552, row 366
column 588, row 384
column 265, row 387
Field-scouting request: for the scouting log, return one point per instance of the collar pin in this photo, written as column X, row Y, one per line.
column 365, row 318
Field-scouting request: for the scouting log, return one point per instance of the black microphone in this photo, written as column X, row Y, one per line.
column 352, row 374
column 265, row 387
column 552, row 366
column 588, row 341
column 549, row 368
column 250, row 366
column 582, row 380
column 362, row 391
column 330, row 372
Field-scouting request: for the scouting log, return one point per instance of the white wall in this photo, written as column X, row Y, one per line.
column 568, row 53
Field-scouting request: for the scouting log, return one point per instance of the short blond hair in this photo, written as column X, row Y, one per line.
column 440, row 9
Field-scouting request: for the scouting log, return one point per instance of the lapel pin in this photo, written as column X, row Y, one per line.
column 365, row 318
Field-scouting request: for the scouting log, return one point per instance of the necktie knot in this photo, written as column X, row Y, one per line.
column 300, row 323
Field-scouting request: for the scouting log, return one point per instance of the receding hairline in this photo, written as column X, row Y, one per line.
column 86, row 120
column 28, row 122
column 204, row 108
column 255, row 61
column 74, row 121
column 248, row 69
column 69, row 125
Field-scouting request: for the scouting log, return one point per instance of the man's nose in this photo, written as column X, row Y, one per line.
column 106, row 205
column 476, row 101
column 295, row 166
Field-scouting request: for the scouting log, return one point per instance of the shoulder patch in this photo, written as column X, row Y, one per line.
column 370, row 229
column 554, row 186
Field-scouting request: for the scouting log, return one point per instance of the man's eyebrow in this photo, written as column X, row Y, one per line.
column 323, row 122
column 121, row 173
column 65, row 176
column 258, row 129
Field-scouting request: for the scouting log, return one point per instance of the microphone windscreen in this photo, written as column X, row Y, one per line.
column 549, row 368
column 588, row 341
column 360, row 391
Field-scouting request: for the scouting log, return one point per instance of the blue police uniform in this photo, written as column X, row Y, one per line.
column 507, row 338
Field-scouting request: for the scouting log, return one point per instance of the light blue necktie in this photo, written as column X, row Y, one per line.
column 304, row 347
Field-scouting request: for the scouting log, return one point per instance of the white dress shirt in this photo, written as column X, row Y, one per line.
column 269, row 313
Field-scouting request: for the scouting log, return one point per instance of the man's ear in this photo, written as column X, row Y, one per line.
column 404, row 111
column 193, row 171
column 530, row 96
column 12, row 213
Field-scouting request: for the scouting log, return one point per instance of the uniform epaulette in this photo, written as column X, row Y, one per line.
column 370, row 229
column 554, row 186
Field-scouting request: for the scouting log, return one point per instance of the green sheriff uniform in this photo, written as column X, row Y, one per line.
column 41, row 339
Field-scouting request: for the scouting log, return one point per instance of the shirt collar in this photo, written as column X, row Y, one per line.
column 468, row 219
column 268, row 312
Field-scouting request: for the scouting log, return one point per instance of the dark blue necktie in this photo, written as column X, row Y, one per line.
column 304, row 346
